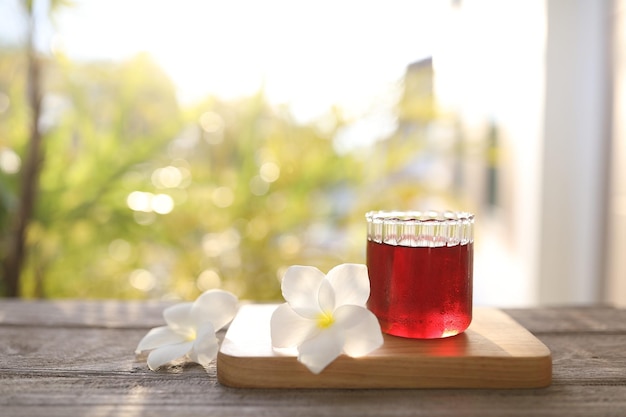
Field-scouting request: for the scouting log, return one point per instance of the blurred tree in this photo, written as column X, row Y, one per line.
column 106, row 121
column 266, row 193
column 33, row 161
column 139, row 198
column 250, row 189
column 13, row 133
column 100, row 121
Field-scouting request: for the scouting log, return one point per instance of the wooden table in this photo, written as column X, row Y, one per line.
column 76, row 358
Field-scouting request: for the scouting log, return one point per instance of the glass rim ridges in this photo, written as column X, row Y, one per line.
column 420, row 228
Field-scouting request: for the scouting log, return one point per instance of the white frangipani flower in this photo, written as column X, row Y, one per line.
column 190, row 330
column 325, row 315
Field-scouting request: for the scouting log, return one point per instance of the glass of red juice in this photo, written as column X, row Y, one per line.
column 420, row 265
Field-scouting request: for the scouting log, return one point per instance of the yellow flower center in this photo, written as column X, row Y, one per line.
column 190, row 335
column 325, row 320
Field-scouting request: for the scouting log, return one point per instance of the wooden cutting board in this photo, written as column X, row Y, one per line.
column 494, row 352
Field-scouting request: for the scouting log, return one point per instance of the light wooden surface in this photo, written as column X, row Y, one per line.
column 75, row 358
column 495, row 352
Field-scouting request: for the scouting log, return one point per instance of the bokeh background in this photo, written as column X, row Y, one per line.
column 157, row 149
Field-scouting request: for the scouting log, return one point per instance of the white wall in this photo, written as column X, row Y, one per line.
column 575, row 146
column 616, row 248
column 489, row 66
column 541, row 70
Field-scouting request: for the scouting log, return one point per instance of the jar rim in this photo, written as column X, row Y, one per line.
column 416, row 216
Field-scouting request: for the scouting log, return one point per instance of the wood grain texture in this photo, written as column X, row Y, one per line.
column 495, row 352
column 53, row 362
column 105, row 313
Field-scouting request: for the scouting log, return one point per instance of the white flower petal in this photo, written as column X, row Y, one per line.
column 351, row 284
column 157, row 337
column 178, row 317
column 167, row 353
column 205, row 347
column 348, row 316
column 317, row 353
column 215, row 306
column 361, row 329
column 289, row 329
column 300, row 288
column 326, row 297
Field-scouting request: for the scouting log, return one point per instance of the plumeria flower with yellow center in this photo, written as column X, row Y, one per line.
column 190, row 330
column 325, row 315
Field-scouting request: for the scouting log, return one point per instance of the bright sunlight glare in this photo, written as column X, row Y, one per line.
column 307, row 54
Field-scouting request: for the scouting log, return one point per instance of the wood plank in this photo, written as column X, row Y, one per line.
column 66, row 349
column 494, row 352
column 588, row 358
column 578, row 359
column 77, row 358
column 571, row 319
column 94, row 313
column 188, row 394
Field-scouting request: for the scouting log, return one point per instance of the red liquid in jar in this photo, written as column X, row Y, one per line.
column 421, row 292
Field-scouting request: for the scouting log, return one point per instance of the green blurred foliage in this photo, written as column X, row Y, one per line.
column 140, row 198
